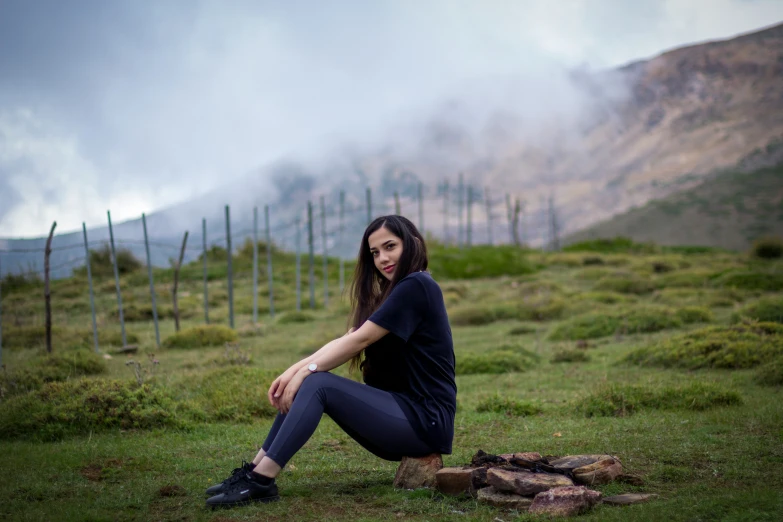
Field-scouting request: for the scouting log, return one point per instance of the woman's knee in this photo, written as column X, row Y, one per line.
column 317, row 381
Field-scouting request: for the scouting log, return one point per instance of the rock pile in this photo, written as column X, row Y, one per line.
column 528, row 481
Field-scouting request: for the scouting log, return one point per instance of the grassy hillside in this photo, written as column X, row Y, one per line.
column 652, row 357
column 729, row 210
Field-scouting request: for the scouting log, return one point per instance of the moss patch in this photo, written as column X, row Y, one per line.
column 623, row 400
column 739, row 346
column 601, row 324
column 201, row 336
column 81, row 406
column 507, row 406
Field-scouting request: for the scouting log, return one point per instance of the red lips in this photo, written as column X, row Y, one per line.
column 389, row 268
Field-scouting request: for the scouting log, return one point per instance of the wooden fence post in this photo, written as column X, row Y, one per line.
column 509, row 216
column 152, row 285
column 515, row 223
column 204, row 253
column 460, row 206
column 176, row 281
column 446, row 212
column 117, row 280
column 488, row 203
column 369, row 205
column 298, row 264
column 312, row 253
column 340, row 240
column 269, row 261
column 469, row 231
column 89, row 285
column 325, row 252
column 421, row 207
column 230, row 269
column 554, row 234
column 47, row 296
column 255, row 266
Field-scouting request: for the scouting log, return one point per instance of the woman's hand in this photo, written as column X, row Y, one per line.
column 279, row 385
column 287, row 398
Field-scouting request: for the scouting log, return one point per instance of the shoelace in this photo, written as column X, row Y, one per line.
column 237, row 474
column 239, row 482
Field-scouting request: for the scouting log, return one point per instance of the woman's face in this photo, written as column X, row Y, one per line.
column 386, row 249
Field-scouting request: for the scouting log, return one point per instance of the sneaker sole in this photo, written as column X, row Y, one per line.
column 245, row 502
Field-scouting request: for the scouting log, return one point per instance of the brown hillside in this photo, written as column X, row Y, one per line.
column 654, row 127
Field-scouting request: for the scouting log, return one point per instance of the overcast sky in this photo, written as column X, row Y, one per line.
column 134, row 105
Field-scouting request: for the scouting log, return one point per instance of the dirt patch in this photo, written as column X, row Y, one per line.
column 172, row 490
column 96, row 472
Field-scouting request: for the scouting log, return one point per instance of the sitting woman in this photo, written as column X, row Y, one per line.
column 406, row 408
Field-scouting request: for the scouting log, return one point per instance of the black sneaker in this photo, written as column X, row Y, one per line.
column 247, row 467
column 244, row 490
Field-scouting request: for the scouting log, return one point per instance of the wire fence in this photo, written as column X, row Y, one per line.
column 461, row 215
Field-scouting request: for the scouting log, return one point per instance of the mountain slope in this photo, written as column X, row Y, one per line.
column 728, row 210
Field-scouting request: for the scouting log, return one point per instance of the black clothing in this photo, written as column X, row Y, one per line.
column 370, row 416
column 415, row 361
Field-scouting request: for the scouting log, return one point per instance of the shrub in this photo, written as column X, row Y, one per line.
column 295, row 317
column 622, row 400
column 767, row 248
column 135, row 312
column 615, row 245
column 530, row 288
column 45, row 368
column 739, row 346
column 661, row 267
column 480, row 315
column 218, row 395
column 499, row 361
column 101, row 265
column 507, row 406
column 593, row 273
column 216, row 253
column 12, row 283
column 625, row 283
column 522, row 330
column 201, row 336
column 541, row 309
column 601, row 324
column 751, row 280
column 685, row 279
column 604, row 297
column 766, row 309
column 62, row 338
column 570, row 355
column 82, row 406
column 695, row 314
column 771, row 373
column 479, row 261
column 592, row 260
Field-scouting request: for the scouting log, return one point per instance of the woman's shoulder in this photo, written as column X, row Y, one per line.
column 424, row 278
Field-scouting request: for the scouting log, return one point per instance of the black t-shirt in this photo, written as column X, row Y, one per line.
column 415, row 361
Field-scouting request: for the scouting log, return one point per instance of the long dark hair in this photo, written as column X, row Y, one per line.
column 369, row 288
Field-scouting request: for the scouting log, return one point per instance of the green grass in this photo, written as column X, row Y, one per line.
column 692, row 408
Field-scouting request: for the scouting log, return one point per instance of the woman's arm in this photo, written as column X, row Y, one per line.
column 284, row 378
column 327, row 358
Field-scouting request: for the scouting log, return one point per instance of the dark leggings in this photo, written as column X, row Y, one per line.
column 370, row 416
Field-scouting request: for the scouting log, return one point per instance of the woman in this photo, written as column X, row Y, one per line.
column 406, row 407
